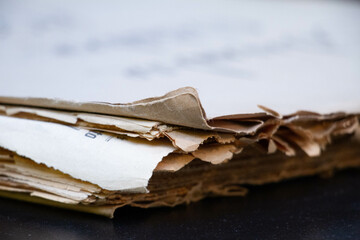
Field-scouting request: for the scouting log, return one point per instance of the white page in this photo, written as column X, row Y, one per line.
column 111, row 163
column 284, row 55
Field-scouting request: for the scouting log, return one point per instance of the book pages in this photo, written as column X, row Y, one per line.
column 154, row 104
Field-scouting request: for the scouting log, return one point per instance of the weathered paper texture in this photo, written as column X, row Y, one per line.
column 179, row 107
column 111, row 163
column 25, row 177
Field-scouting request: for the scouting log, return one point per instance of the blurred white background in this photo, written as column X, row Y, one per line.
column 237, row 54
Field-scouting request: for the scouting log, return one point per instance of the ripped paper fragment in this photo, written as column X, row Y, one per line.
column 216, row 154
column 174, row 162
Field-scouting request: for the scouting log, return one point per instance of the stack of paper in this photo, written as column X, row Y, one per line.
column 83, row 156
column 281, row 93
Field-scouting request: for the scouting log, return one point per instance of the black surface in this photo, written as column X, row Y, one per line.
column 307, row 208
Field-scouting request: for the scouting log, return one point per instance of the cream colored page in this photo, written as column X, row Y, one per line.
column 286, row 55
column 111, row 163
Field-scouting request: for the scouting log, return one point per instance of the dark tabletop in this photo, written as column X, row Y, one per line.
column 306, row 208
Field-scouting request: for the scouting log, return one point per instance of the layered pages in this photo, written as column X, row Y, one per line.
column 82, row 156
column 278, row 82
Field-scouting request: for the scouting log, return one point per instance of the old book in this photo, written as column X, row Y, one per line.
column 72, row 156
column 281, row 94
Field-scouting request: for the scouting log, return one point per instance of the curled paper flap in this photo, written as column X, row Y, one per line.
column 180, row 107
